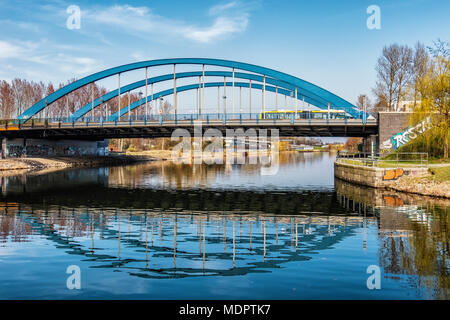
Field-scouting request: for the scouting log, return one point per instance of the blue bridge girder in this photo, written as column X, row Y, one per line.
column 309, row 97
column 169, row 92
column 301, row 85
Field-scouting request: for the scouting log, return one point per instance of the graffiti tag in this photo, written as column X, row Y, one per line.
column 393, row 174
column 402, row 138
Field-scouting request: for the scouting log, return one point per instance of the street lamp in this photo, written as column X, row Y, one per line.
column 224, row 104
column 160, row 104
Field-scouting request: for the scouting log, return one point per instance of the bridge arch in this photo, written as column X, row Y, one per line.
column 290, row 89
column 333, row 100
column 169, row 92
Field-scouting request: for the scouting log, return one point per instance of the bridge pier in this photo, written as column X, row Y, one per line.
column 22, row 147
column 371, row 144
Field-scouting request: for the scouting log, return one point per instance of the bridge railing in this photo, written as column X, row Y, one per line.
column 408, row 159
column 16, row 124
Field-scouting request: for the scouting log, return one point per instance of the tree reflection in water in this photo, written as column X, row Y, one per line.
column 413, row 233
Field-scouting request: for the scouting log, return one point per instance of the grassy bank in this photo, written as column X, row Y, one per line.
column 436, row 184
column 439, row 174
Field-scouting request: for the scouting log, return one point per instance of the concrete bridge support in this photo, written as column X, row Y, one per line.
column 20, row 147
column 390, row 124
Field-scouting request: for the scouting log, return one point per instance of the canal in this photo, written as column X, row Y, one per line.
column 159, row 230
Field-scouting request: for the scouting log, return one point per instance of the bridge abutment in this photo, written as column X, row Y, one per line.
column 390, row 124
column 20, row 147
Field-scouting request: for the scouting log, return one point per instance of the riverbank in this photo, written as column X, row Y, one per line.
column 436, row 183
column 433, row 181
column 24, row 165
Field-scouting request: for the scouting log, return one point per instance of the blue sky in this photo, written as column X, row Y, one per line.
column 324, row 42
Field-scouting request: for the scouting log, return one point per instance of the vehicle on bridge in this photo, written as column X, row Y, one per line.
column 304, row 114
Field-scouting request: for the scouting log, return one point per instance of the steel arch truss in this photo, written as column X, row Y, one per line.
column 312, row 94
column 290, row 90
column 169, row 92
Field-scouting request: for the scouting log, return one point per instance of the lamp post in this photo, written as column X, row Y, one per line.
column 160, row 105
column 224, row 97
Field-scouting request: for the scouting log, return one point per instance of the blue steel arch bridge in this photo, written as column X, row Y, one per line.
column 148, row 120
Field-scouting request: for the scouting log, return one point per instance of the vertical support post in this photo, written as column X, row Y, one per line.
column 276, row 98
column 202, row 106
column 296, row 103
column 225, row 97
column 92, row 100
column 175, row 89
column 197, row 103
column 232, row 94
column 152, row 102
column 328, row 117
column 119, row 94
column 240, row 100
column 101, row 108
column 199, row 111
column 146, row 93
column 250, row 95
column 129, row 111
column 218, row 100
column 264, row 96
column 67, row 106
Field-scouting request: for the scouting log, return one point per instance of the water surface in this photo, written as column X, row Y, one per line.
column 165, row 231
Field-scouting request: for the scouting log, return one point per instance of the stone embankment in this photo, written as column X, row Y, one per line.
column 404, row 179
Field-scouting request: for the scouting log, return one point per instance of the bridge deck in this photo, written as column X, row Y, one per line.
column 155, row 129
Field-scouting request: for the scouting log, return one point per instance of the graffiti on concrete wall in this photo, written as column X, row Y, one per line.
column 19, row 150
column 402, row 138
column 392, row 174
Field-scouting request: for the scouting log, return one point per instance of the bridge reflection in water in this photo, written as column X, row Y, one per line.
column 155, row 231
column 197, row 243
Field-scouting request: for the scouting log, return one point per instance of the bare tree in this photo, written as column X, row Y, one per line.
column 420, row 66
column 393, row 73
column 6, row 100
column 404, row 72
column 441, row 48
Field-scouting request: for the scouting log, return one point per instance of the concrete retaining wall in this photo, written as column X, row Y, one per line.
column 373, row 177
column 42, row 147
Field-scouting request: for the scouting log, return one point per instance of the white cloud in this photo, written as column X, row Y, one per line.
column 30, row 58
column 9, row 50
column 141, row 21
column 222, row 7
column 221, row 27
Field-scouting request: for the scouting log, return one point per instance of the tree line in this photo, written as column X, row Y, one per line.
column 403, row 72
column 415, row 79
column 19, row 94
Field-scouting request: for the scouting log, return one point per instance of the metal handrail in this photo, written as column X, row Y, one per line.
column 376, row 159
